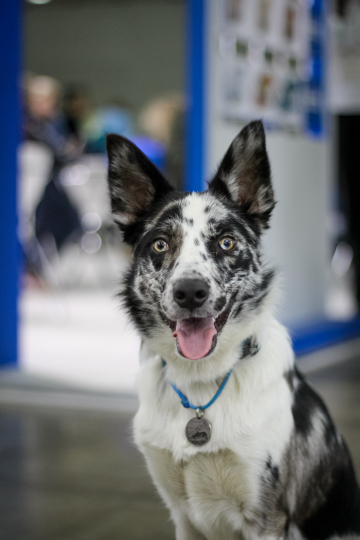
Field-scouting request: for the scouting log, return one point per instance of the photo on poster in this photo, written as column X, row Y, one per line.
column 241, row 48
column 264, row 91
column 264, row 14
column 234, row 9
column 290, row 22
column 291, row 89
column 233, row 84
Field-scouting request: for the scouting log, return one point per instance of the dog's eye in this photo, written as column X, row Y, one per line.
column 226, row 243
column 161, row 246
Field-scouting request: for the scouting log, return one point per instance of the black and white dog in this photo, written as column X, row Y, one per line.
column 263, row 460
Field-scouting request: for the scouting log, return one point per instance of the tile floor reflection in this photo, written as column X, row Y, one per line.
column 76, row 475
column 67, row 475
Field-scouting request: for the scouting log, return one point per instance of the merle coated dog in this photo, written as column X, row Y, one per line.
column 237, row 442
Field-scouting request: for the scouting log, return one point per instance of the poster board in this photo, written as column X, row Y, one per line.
column 264, row 48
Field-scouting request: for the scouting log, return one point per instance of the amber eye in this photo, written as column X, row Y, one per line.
column 226, row 243
column 161, row 246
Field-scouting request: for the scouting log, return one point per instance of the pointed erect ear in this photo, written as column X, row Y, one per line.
column 244, row 173
column 134, row 182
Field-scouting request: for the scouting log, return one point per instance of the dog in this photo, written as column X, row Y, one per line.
column 236, row 441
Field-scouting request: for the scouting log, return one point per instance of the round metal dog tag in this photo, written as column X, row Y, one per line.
column 198, row 431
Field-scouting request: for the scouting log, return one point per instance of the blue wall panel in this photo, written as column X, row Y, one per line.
column 9, row 138
column 195, row 66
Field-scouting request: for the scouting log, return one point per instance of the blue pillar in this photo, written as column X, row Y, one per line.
column 195, row 89
column 9, row 139
column 316, row 113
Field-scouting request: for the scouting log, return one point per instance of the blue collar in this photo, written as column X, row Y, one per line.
column 249, row 348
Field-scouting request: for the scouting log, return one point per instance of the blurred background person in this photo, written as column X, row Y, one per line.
column 116, row 116
column 56, row 218
column 75, row 110
column 163, row 120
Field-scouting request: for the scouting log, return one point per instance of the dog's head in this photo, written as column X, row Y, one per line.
column 197, row 267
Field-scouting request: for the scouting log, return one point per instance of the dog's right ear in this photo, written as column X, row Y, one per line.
column 134, row 182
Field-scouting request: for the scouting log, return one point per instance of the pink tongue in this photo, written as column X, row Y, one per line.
column 195, row 336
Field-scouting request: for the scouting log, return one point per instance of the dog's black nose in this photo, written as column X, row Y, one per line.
column 190, row 293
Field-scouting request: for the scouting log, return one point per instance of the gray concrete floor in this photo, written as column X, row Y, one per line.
column 76, row 475
column 339, row 386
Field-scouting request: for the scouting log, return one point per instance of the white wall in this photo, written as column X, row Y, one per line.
column 125, row 50
column 298, row 242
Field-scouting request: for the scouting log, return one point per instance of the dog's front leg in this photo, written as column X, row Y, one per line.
column 184, row 529
column 169, row 479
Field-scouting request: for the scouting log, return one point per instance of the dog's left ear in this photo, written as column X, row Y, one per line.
column 244, row 174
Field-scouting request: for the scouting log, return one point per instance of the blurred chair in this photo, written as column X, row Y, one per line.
column 94, row 260
column 35, row 162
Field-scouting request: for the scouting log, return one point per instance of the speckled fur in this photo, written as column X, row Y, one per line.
column 275, row 466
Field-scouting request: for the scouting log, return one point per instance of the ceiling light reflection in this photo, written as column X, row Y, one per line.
column 39, row 2
column 91, row 222
column 91, row 243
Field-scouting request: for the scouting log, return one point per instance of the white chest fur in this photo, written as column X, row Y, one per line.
column 217, row 486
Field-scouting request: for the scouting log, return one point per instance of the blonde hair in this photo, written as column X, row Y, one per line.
column 156, row 119
column 41, row 85
column 43, row 94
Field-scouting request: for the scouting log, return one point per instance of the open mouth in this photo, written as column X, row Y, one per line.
column 196, row 337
